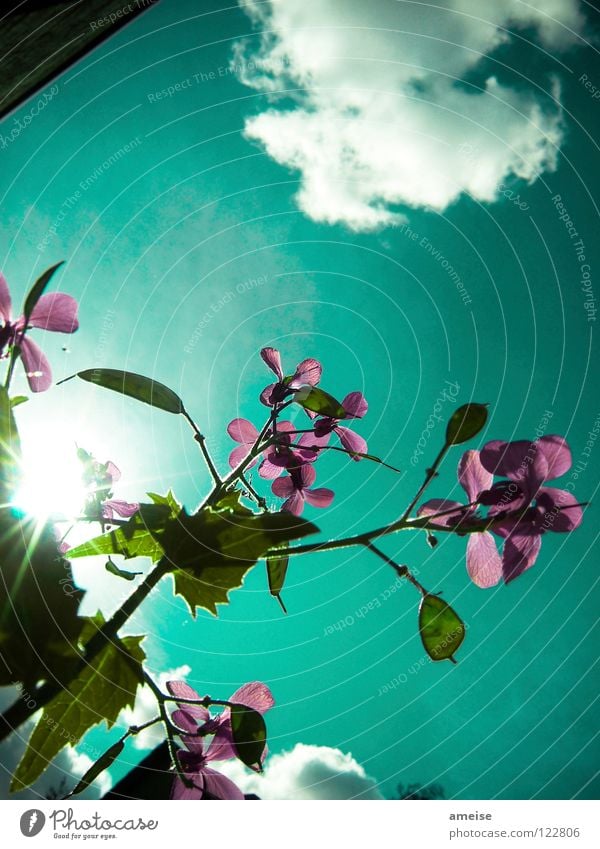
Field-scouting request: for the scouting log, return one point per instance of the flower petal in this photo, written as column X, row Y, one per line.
column 441, row 505
column 181, row 690
column 484, row 563
column 282, row 487
column 306, row 475
column 294, row 504
column 184, row 720
column 272, row 358
column 55, row 311
column 265, row 395
column 508, row 459
column 37, row 367
column 557, row 455
column 121, row 508
column 238, row 455
column 563, row 513
column 180, row 791
column 320, row 497
column 351, row 441
column 5, row 301
column 472, row 476
column 221, row 747
column 520, row 553
column 219, row 786
column 255, row 695
column 308, row 371
column 241, row 430
column 355, row 405
column 113, row 472
column 268, row 470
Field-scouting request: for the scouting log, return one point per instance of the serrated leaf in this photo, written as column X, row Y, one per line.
column 37, row 290
column 249, row 734
column 466, row 423
column 100, row 692
column 138, row 537
column 276, row 572
column 169, row 500
column 10, row 449
column 213, row 549
column 39, row 625
column 442, row 630
column 318, row 401
column 103, row 763
column 136, row 386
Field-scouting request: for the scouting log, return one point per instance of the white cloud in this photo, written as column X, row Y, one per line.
column 378, row 119
column 145, row 709
column 307, row 772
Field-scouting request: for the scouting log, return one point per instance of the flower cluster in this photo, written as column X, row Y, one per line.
column 194, row 723
column 99, row 479
column 521, row 508
column 56, row 311
column 287, row 454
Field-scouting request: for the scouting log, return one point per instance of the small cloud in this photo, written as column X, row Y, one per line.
column 306, row 772
column 145, row 708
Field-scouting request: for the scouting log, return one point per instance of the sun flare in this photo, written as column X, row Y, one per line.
column 51, row 484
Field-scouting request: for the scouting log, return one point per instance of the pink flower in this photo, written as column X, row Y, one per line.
column 56, row 312
column 308, row 372
column 295, row 489
column 196, row 722
column 523, row 508
column 355, row 406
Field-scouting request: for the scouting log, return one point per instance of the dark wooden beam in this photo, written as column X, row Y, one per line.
column 39, row 39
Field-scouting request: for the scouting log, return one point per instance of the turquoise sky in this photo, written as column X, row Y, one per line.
column 188, row 253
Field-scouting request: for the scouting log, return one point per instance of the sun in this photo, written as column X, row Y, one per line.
column 51, row 485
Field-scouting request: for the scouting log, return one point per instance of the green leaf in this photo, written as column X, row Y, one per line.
column 18, row 399
column 100, row 692
column 39, row 625
column 120, row 573
column 276, row 572
column 169, row 500
column 318, row 401
column 466, row 423
column 135, row 386
column 10, row 450
column 103, row 762
column 249, row 734
column 214, row 549
column 442, row 630
column 37, row 290
column 138, row 537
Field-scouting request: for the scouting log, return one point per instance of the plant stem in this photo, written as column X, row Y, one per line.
column 201, row 440
column 429, row 476
column 401, row 571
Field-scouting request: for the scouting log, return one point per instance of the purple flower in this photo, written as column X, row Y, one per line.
column 56, row 312
column 484, row 564
column 100, row 477
column 307, row 372
column 244, row 432
column 195, row 723
column 531, row 508
column 296, row 490
column 355, row 406
column 523, row 508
